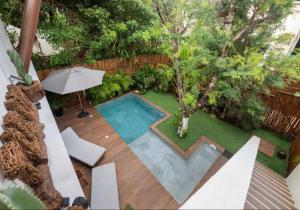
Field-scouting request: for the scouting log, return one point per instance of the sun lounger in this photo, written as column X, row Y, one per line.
column 81, row 149
column 104, row 193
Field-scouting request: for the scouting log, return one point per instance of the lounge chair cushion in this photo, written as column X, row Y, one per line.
column 104, row 187
column 81, row 149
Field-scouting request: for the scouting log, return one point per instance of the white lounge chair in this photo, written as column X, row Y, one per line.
column 104, row 193
column 81, row 149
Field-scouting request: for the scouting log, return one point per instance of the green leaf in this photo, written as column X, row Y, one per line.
column 16, row 60
column 18, row 198
column 28, row 79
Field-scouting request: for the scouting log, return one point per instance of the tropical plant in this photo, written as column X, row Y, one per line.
column 176, row 18
column 146, row 78
column 55, row 101
column 112, row 85
column 16, row 60
column 165, row 78
column 13, row 197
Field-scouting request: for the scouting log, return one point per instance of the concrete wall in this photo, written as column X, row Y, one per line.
column 293, row 181
column 228, row 188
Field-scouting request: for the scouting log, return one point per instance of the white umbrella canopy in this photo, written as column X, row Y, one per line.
column 72, row 80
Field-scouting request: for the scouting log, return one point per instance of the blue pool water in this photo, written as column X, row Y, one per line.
column 130, row 116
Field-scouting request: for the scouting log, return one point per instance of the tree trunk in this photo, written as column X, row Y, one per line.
column 209, row 88
column 227, row 104
column 184, row 127
column 228, row 23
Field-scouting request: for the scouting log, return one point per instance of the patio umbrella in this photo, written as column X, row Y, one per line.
column 73, row 80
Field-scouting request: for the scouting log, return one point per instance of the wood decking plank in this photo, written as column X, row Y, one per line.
column 136, row 185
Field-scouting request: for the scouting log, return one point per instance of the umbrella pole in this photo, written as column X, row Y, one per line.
column 82, row 113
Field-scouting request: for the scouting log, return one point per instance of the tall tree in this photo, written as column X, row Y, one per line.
column 175, row 18
column 243, row 21
column 236, row 67
column 86, row 31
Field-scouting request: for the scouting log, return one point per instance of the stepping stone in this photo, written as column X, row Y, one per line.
column 267, row 147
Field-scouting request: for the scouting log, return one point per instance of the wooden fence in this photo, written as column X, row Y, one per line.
column 283, row 114
column 128, row 66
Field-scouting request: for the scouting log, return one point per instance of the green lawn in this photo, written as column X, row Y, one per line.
column 230, row 137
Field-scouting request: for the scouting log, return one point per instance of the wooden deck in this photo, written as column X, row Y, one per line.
column 137, row 186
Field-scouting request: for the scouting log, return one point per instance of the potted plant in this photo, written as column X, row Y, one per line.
column 56, row 105
column 32, row 88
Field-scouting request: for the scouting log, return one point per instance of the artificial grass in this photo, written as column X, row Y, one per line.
column 230, row 137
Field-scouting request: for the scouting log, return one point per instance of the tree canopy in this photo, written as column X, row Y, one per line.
column 220, row 49
column 86, row 31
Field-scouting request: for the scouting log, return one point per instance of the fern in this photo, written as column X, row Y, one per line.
column 112, row 85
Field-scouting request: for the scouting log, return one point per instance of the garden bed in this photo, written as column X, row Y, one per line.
column 230, row 137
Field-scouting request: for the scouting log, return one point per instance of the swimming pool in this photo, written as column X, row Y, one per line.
column 131, row 117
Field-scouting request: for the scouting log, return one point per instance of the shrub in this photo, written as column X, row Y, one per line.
column 112, row 85
column 55, row 100
column 164, row 79
column 146, row 78
column 177, row 119
column 248, row 114
column 158, row 79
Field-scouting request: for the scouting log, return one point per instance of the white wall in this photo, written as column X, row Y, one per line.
column 293, row 182
column 46, row 47
column 228, row 188
column 63, row 174
column 291, row 25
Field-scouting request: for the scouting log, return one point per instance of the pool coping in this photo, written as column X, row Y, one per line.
column 183, row 153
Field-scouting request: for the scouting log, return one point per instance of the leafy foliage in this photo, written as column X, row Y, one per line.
column 112, row 85
column 231, row 52
column 16, row 60
column 165, row 78
column 159, row 78
column 146, row 78
column 55, row 100
column 11, row 12
column 87, row 31
column 226, row 53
